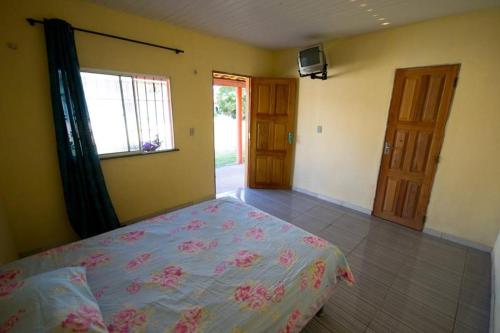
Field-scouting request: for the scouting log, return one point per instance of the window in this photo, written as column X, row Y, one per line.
column 129, row 113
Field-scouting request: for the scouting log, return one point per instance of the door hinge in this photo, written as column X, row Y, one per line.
column 455, row 82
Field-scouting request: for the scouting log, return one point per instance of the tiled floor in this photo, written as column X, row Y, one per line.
column 229, row 178
column 406, row 281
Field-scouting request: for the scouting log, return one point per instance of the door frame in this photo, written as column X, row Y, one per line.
column 247, row 125
column 439, row 144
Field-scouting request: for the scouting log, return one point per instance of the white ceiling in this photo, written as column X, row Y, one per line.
column 290, row 23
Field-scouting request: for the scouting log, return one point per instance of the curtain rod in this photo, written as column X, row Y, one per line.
column 33, row 21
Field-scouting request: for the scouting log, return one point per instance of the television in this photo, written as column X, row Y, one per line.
column 312, row 60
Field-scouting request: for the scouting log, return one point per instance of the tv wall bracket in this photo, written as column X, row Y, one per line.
column 318, row 75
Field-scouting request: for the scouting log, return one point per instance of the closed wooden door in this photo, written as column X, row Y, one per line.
column 421, row 102
column 272, row 124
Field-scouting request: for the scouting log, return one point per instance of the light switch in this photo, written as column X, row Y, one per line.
column 319, row 129
column 191, row 131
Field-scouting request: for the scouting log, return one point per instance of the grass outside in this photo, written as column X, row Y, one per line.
column 225, row 158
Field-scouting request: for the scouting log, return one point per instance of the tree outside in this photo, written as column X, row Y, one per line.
column 226, row 126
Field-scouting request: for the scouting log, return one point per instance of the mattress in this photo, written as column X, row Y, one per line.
column 219, row 266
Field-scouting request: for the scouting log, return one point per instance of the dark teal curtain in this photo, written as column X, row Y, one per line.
column 88, row 203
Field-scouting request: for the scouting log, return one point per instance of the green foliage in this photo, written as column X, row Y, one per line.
column 225, row 101
column 225, row 158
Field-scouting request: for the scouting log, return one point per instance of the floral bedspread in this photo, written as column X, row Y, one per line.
column 219, row 266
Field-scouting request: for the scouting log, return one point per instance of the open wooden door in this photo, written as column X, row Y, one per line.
column 272, row 125
column 421, row 101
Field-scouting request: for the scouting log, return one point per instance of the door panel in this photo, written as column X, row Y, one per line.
column 399, row 143
column 433, row 98
column 263, row 100
column 411, row 198
column 421, row 152
column 390, row 195
column 277, row 170
column 282, row 95
column 261, row 170
column 272, row 121
column 263, row 135
column 280, row 139
column 408, row 98
column 421, row 101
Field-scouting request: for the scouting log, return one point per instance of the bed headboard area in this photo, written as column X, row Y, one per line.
column 8, row 251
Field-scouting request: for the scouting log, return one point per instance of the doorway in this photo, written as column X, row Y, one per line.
column 231, row 105
column 420, row 104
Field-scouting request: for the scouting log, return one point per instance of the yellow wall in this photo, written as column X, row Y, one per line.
column 352, row 105
column 29, row 178
column 8, row 251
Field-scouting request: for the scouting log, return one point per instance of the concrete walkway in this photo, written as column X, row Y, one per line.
column 229, row 178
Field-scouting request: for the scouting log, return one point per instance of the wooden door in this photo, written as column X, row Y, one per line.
column 421, row 101
column 272, row 125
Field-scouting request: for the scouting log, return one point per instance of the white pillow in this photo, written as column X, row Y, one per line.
column 55, row 301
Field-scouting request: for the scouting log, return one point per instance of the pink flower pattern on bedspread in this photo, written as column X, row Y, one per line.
column 287, row 258
column 10, row 281
column 95, row 260
column 242, row 259
column 256, row 233
column 217, row 266
column 190, row 321
column 196, row 246
column 194, row 225
column 211, row 209
column 128, row 320
column 134, row 287
column 83, row 319
column 257, row 215
column 255, row 295
column 132, row 236
column 11, row 321
column 138, row 261
column 228, row 225
column 245, row 258
column 315, row 241
column 291, row 322
column 169, row 277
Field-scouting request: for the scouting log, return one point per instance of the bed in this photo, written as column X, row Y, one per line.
column 218, row 266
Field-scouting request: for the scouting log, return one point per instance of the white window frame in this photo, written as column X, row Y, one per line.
column 170, row 104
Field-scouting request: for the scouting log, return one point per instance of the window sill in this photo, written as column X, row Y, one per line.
column 134, row 153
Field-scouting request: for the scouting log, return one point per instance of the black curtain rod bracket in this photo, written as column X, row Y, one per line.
column 33, row 21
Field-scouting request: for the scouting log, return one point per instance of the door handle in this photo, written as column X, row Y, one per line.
column 290, row 138
column 387, row 148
